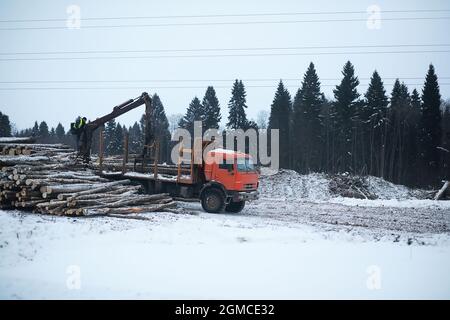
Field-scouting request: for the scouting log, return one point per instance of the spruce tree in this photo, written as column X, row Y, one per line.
column 430, row 135
column 345, row 106
column 397, row 145
column 413, row 125
column 237, row 118
column 60, row 132
column 43, row 132
column 280, row 115
column 117, row 142
column 373, row 117
column 35, row 130
column 446, row 141
column 135, row 139
column 5, row 126
column 211, row 109
column 193, row 113
column 52, row 135
column 110, row 134
column 306, row 123
column 160, row 127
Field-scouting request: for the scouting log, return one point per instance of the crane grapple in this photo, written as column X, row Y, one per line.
column 85, row 145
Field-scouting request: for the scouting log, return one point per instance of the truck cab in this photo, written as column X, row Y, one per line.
column 231, row 179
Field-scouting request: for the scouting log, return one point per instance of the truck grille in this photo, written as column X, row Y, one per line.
column 249, row 186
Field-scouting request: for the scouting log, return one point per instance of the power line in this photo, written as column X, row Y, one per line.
column 218, row 23
column 198, row 80
column 224, row 55
column 171, row 87
column 225, row 15
column 225, row 49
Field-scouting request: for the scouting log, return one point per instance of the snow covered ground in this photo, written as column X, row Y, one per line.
column 281, row 246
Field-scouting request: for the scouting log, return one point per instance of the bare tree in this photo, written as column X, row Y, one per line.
column 262, row 119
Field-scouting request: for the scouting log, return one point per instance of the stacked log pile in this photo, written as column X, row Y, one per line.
column 46, row 180
column 13, row 149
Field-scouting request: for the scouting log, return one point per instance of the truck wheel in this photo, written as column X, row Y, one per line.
column 235, row 207
column 213, row 201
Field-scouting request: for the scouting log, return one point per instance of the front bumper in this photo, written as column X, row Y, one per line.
column 245, row 196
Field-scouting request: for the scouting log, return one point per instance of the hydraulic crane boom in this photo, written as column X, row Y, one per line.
column 89, row 128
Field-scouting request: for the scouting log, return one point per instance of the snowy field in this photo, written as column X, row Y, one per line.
column 283, row 246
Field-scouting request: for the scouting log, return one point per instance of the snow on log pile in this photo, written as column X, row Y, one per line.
column 26, row 149
column 17, row 140
column 48, row 181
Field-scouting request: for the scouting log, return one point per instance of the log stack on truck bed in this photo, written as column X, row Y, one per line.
column 44, row 178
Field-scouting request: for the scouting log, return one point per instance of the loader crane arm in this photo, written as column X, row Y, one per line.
column 85, row 145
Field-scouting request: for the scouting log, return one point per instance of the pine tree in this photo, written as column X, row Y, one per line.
column 5, row 126
column 237, row 118
column 346, row 103
column 307, row 125
column 211, row 109
column 193, row 113
column 373, row 117
column 430, row 136
column 280, row 116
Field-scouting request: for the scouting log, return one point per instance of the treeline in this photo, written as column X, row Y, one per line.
column 404, row 138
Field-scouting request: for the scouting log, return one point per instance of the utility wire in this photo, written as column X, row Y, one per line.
column 199, row 80
column 216, row 23
column 171, row 87
column 225, row 15
column 223, row 55
column 225, row 49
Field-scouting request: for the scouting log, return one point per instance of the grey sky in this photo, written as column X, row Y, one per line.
column 25, row 106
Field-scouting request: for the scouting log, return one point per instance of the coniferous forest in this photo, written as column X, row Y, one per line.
column 402, row 136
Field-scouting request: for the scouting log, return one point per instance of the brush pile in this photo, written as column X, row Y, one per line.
column 350, row 186
column 46, row 179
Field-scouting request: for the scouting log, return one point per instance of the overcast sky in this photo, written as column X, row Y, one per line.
column 165, row 75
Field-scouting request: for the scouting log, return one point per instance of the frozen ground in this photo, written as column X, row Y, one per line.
column 295, row 243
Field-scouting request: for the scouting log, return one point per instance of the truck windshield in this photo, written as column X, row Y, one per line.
column 245, row 165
